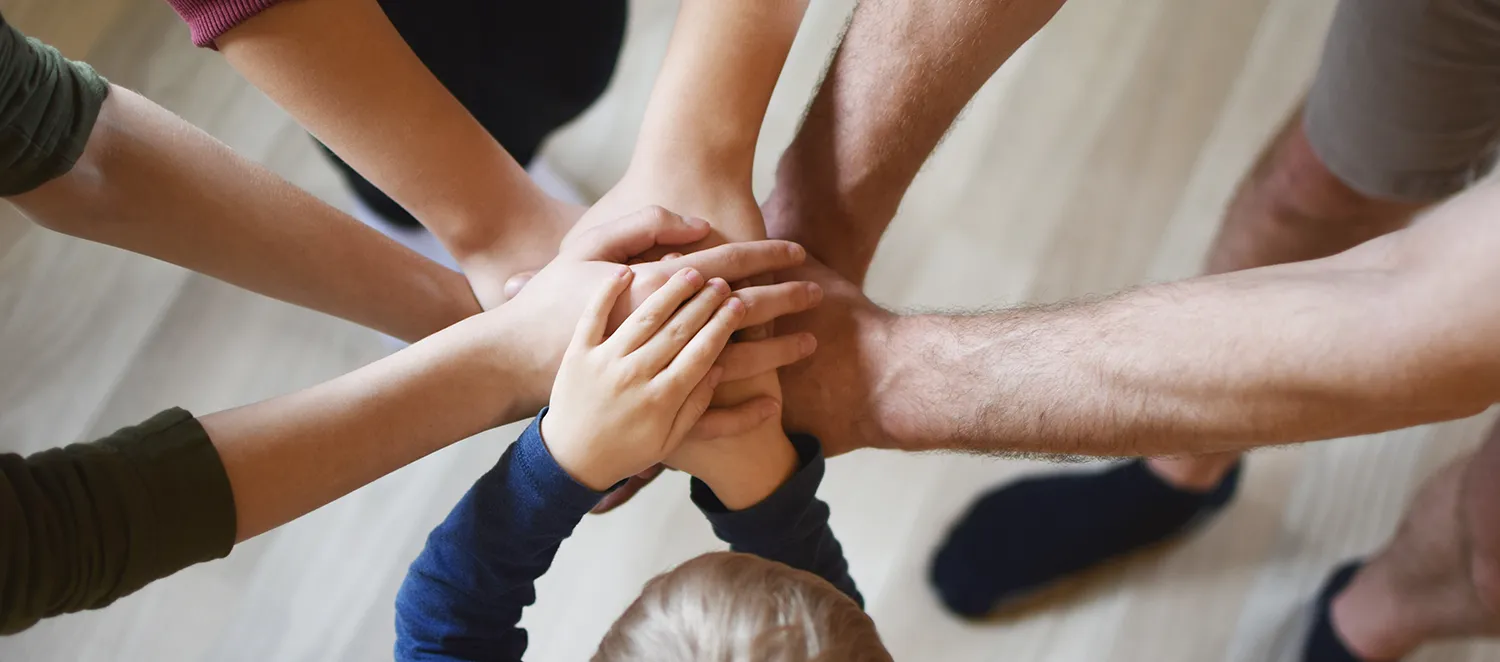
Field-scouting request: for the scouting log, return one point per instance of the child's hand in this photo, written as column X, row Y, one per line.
column 622, row 404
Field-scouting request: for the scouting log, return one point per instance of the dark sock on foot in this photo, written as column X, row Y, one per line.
column 1323, row 643
column 1021, row 537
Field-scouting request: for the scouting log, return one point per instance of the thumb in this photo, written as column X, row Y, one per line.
column 627, row 237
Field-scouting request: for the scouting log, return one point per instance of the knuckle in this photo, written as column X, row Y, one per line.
column 656, row 213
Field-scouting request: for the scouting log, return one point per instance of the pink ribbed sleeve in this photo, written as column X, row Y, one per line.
column 210, row 18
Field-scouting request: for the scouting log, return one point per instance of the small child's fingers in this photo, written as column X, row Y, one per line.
column 590, row 329
column 644, row 322
column 743, row 360
column 721, row 422
column 698, row 357
column 692, row 410
column 658, row 351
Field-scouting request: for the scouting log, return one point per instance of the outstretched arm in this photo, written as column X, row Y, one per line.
column 1397, row 332
column 150, row 183
column 901, row 75
column 343, row 71
column 697, row 142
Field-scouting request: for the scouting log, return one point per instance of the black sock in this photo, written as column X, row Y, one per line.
column 1323, row 643
column 1021, row 537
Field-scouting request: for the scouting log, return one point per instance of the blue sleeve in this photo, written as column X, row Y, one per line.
column 790, row 526
column 463, row 596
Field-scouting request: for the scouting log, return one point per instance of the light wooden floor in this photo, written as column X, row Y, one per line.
column 1100, row 157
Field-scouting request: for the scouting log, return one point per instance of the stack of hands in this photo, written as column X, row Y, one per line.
column 636, row 386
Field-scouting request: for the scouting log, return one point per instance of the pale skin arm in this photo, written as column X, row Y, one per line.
column 696, row 147
column 150, row 183
column 341, row 69
column 1397, row 332
column 902, row 73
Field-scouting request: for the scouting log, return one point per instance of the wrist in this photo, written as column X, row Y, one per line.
column 577, row 462
column 492, row 230
column 747, row 478
column 520, row 383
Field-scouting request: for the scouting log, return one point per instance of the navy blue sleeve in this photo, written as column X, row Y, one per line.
column 790, row 526
column 463, row 596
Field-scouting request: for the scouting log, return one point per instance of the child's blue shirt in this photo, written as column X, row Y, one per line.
column 463, row 596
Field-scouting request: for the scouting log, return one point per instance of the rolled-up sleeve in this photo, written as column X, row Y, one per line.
column 84, row 525
column 48, row 106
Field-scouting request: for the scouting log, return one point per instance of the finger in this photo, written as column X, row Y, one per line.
column 659, row 349
column 590, row 329
column 767, row 302
column 624, row 492
column 740, row 260
column 623, row 238
column 647, row 319
column 698, row 357
column 743, row 360
column 718, row 422
column 692, row 408
column 671, row 256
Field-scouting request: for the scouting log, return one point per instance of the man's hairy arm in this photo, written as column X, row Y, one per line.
column 901, row 75
column 1397, row 332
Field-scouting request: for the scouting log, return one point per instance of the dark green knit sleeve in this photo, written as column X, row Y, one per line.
column 84, row 525
column 48, row 105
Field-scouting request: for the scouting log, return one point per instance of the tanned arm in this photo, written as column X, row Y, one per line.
column 1397, row 332
column 900, row 77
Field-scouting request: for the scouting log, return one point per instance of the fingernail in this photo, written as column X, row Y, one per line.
column 719, row 285
column 814, row 294
column 624, row 272
column 696, row 222
column 692, row 277
column 797, row 252
column 770, row 408
column 807, row 344
column 734, row 305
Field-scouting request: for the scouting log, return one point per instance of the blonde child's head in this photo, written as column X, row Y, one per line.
column 726, row 607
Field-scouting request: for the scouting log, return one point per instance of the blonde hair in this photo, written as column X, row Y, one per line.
column 727, row 607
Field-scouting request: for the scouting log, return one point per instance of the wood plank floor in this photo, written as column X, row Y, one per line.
column 1101, row 156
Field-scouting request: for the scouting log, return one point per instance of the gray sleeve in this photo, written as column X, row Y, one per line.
column 48, row 105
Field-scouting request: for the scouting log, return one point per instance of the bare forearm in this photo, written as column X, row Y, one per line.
column 1355, row 344
column 343, row 71
column 710, row 97
column 290, row 455
column 150, row 183
column 900, row 77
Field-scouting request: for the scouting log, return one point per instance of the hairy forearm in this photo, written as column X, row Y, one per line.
column 150, row 183
column 290, row 455
column 343, row 71
column 901, row 75
column 1364, row 342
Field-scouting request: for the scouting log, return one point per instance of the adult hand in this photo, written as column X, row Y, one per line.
column 552, row 301
column 847, row 395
